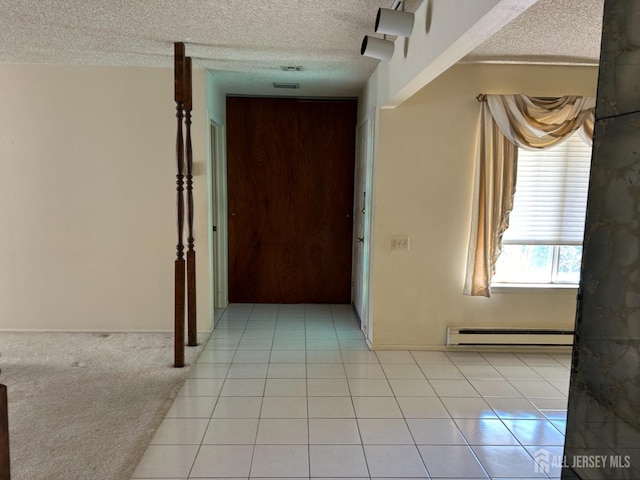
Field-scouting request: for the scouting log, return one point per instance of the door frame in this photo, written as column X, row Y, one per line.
column 219, row 265
column 368, row 127
column 218, row 239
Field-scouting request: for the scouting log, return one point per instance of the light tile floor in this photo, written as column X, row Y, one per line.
column 292, row 391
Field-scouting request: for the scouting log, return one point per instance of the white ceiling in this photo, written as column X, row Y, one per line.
column 247, row 41
column 551, row 31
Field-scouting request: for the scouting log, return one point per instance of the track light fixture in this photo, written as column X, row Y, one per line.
column 389, row 21
column 394, row 22
column 376, row 48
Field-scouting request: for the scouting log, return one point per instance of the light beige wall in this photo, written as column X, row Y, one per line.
column 87, row 198
column 423, row 189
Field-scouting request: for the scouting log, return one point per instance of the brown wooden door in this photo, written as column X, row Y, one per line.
column 290, row 190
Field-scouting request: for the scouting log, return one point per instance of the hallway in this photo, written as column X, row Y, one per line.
column 292, row 391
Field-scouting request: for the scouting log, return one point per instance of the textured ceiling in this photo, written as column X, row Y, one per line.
column 246, row 41
column 241, row 37
column 551, row 31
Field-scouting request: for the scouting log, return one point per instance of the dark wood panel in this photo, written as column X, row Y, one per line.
column 326, row 189
column 5, row 460
column 290, row 189
column 261, row 188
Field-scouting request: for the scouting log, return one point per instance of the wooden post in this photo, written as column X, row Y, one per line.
column 192, row 337
column 5, row 468
column 179, row 63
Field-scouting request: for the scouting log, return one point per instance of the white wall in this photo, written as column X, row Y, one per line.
column 424, row 175
column 87, row 198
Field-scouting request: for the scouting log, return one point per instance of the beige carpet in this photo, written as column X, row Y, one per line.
column 84, row 406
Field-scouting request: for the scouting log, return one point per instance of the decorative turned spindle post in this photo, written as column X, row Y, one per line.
column 179, row 263
column 192, row 337
column 5, row 468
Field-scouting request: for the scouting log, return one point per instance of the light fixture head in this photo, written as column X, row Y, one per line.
column 394, row 22
column 376, row 48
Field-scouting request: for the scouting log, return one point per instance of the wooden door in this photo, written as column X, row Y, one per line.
column 290, row 192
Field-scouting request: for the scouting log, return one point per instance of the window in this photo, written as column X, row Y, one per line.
column 543, row 244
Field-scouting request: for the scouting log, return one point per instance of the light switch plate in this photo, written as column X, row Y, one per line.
column 400, row 242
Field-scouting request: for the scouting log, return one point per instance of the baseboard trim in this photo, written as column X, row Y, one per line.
column 443, row 348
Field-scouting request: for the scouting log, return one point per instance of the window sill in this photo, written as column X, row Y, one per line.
column 539, row 288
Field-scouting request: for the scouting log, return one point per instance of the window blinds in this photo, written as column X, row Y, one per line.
column 551, row 195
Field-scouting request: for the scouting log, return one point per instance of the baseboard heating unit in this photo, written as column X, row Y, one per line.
column 499, row 337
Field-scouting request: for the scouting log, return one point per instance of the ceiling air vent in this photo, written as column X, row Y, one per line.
column 286, row 85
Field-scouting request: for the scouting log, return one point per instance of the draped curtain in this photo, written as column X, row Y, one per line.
column 509, row 122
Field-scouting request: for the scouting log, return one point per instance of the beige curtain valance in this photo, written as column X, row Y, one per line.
column 537, row 123
column 509, row 122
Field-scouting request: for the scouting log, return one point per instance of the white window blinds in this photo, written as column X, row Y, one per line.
column 550, row 202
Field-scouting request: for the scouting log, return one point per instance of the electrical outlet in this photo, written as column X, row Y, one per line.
column 400, row 242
